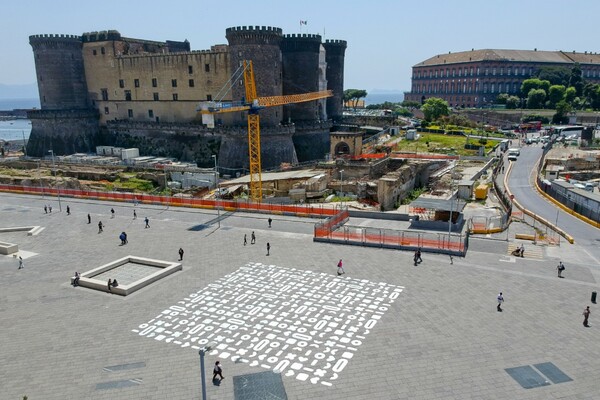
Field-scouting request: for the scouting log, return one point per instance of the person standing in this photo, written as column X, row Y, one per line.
column 586, row 316
column 89, row 219
column 268, row 248
column 109, row 285
column 134, row 215
column 245, row 239
column 218, row 371
column 45, row 209
column 270, row 220
column 100, row 226
column 500, row 301
column 340, row 268
column 50, row 209
column 112, row 212
column 21, row 266
column 76, row 280
column 560, row 268
column 180, row 254
column 68, row 210
column 147, row 221
column 252, row 238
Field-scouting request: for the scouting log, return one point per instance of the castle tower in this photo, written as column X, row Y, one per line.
column 60, row 72
column 335, row 52
column 66, row 123
column 262, row 46
column 303, row 71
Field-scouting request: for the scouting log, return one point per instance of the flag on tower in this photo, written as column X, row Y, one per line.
column 303, row 22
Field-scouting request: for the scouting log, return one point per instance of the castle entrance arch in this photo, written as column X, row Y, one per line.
column 342, row 149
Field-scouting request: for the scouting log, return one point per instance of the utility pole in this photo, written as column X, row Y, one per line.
column 217, row 192
column 55, row 179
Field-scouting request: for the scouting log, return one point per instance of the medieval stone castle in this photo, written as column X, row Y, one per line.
column 101, row 88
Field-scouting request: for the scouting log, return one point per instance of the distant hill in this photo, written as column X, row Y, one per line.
column 26, row 91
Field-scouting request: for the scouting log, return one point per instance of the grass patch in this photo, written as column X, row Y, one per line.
column 134, row 184
column 443, row 144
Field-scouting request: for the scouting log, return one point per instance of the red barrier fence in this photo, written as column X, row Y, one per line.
column 301, row 210
column 333, row 230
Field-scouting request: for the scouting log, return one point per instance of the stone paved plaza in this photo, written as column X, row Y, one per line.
column 385, row 330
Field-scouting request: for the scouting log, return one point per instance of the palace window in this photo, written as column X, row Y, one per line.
column 128, row 95
column 175, row 97
column 190, row 69
column 494, row 71
column 191, row 83
column 173, row 82
column 154, row 82
column 104, row 93
column 121, row 83
column 155, row 96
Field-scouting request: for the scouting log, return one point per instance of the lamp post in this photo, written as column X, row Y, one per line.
column 55, row 179
column 218, row 194
column 341, row 188
column 451, row 202
column 202, row 352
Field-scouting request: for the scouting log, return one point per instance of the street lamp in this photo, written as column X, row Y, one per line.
column 341, row 188
column 202, row 352
column 218, row 194
column 55, row 179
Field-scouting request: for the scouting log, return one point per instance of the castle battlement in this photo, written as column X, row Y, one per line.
column 174, row 54
column 302, row 36
column 101, row 36
column 336, row 42
column 254, row 29
column 49, row 37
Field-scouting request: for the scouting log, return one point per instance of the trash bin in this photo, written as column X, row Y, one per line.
column 594, row 297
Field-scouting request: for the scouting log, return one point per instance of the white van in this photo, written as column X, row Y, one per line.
column 514, row 152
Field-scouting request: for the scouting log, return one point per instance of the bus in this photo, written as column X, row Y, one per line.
column 567, row 131
column 530, row 126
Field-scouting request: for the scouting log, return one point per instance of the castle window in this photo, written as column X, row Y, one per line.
column 209, row 97
column 492, row 88
column 487, row 71
column 501, row 70
column 453, row 72
column 155, row 96
column 94, row 52
column 106, row 110
column 206, row 67
column 471, row 71
column 128, row 95
column 121, row 83
column 460, row 72
column 478, row 70
column 154, row 82
column 130, row 113
column 174, row 82
column 191, row 83
column 508, row 71
column 523, row 71
column 102, row 50
column 530, row 71
column 150, row 114
column 190, row 69
column 494, row 71
column 136, row 82
column 175, row 97
column 104, row 94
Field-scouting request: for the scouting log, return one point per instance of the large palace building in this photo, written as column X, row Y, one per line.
column 104, row 88
column 475, row 78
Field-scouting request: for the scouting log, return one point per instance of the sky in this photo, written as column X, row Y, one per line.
column 385, row 38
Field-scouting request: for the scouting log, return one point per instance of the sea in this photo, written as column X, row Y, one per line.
column 16, row 129
column 380, row 98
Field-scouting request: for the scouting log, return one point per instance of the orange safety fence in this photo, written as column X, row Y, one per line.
column 229, row 205
column 425, row 156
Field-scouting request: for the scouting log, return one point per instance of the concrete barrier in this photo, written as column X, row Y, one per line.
column 8, row 248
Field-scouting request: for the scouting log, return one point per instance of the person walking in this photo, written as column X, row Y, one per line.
column 560, row 268
column 500, row 301
column 252, row 238
column 76, row 280
column 180, row 254
column 147, row 221
column 245, row 239
column 340, row 268
column 416, row 257
column 270, row 220
column 100, row 226
column 21, row 266
column 50, row 209
column 89, row 219
column 218, row 371
column 268, row 248
column 134, row 215
column 109, row 285
column 419, row 259
column 112, row 212
column 45, row 209
column 586, row 316
column 68, row 210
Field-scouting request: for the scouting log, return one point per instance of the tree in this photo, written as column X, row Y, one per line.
column 556, row 94
column 533, row 83
column 512, row 102
column 536, row 98
column 570, row 94
column 434, row 108
column 555, row 75
column 411, row 104
column 354, row 95
column 501, row 99
column 562, row 109
column 576, row 79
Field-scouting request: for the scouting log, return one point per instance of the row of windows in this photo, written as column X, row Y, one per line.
column 136, row 83
column 471, row 71
column 130, row 112
column 501, row 87
column 155, row 95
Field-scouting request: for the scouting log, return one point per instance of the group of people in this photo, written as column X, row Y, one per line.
column 417, row 257
column 123, row 237
column 112, row 283
column 47, row 209
column 519, row 251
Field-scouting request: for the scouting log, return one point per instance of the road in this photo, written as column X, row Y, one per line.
column 520, row 183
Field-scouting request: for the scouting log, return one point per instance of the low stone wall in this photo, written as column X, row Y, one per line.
column 8, row 248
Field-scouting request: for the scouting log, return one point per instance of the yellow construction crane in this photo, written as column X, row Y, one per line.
column 253, row 105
